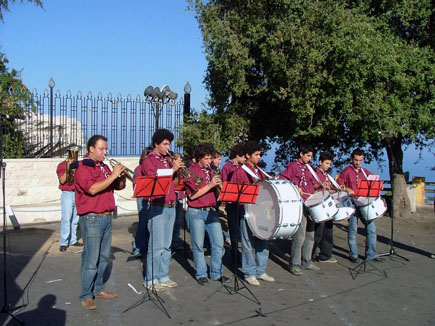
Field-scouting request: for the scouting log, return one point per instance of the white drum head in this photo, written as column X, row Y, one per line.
column 316, row 198
column 263, row 216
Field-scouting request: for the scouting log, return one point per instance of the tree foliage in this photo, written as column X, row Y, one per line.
column 338, row 74
column 4, row 5
column 205, row 127
column 14, row 96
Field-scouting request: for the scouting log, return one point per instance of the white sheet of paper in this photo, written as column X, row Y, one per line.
column 373, row 177
column 164, row 172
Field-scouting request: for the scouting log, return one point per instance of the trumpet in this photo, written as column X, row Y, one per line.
column 129, row 174
column 186, row 172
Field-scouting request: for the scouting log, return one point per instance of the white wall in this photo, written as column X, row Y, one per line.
column 33, row 194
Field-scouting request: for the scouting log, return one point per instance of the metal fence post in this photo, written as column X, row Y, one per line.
column 51, row 84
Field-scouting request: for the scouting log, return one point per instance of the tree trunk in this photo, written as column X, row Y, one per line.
column 395, row 156
column 401, row 206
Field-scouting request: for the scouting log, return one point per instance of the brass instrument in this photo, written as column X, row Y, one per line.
column 129, row 174
column 73, row 155
column 186, row 172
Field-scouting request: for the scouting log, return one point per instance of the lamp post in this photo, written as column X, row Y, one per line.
column 187, row 90
column 51, row 84
column 157, row 97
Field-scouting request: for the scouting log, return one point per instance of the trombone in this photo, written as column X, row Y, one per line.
column 129, row 174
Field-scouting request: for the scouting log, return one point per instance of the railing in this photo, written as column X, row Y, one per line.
column 58, row 120
column 429, row 190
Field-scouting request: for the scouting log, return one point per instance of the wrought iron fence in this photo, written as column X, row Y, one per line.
column 57, row 120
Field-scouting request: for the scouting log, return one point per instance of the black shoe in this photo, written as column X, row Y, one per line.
column 377, row 260
column 354, row 260
column 222, row 279
column 63, row 248
column 203, row 281
column 78, row 244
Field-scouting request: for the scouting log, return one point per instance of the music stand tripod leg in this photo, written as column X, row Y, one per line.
column 392, row 251
column 236, row 288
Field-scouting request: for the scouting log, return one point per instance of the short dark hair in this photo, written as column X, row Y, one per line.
column 160, row 135
column 94, row 139
column 202, row 150
column 145, row 153
column 357, row 152
column 326, row 155
column 251, row 147
column 237, row 150
column 306, row 148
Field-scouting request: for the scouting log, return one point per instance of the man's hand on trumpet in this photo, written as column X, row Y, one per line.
column 177, row 164
column 119, row 170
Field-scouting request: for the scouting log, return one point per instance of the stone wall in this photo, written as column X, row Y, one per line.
column 33, row 194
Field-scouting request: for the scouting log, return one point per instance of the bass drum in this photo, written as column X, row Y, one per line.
column 277, row 212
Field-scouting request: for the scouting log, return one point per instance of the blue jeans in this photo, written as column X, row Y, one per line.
column 160, row 225
column 97, row 238
column 370, row 232
column 141, row 238
column 176, row 241
column 302, row 242
column 199, row 221
column 69, row 219
column 253, row 263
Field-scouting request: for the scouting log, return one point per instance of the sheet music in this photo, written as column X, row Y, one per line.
column 164, row 172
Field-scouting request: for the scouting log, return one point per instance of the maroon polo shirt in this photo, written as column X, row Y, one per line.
column 323, row 176
column 61, row 169
column 85, row 176
column 228, row 170
column 240, row 176
column 298, row 173
column 150, row 165
column 209, row 198
column 350, row 177
column 138, row 171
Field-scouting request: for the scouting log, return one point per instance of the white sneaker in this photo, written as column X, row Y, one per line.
column 310, row 266
column 157, row 287
column 266, row 278
column 169, row 284
column 252, row 280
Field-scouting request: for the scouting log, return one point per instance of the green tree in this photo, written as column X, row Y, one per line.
column 4, row 5
column 338, row 74
column 14, row 96
column 223, row 132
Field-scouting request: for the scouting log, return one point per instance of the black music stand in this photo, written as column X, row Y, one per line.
column 148, row 187
column 239, row 194
column 367, row 188
column 6, row 309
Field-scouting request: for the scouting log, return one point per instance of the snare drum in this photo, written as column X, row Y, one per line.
column 321, row 206
column 344, row 204
column 371, row 207
column 277, row 212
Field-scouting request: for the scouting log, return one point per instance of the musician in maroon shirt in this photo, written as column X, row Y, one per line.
column 349, row 178
column 94, row 186
column 237, row 158
column 323, row 234
column 161, row 212
column 69, row 218
column 201, row 215
column 255, row 252
column 302, row 244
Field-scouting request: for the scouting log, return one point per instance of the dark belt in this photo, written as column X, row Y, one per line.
column 207, row 209
column 105, row 213
column 164, row 205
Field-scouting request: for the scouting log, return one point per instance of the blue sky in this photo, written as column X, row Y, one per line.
column 120, row 47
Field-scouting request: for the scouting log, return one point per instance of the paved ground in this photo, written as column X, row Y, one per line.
column 47, row 281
